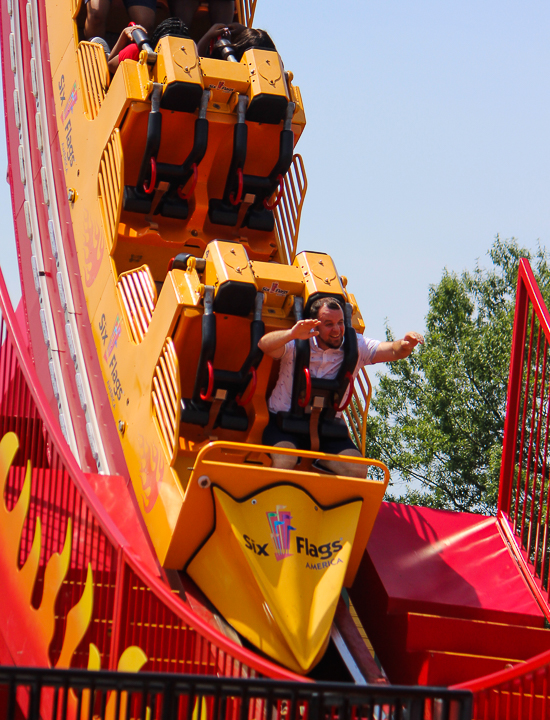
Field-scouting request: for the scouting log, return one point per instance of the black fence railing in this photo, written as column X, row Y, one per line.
column 44, row 694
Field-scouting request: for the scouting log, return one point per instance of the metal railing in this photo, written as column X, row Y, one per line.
column 103, row 695
column 288, row 212
column 523, row 691
column 520, row 692
column 524, row 493
column 245, row 11
column 357, row 411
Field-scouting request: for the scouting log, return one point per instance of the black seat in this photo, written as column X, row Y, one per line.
column 259, row 216
column 225, row 386
column 173, row 203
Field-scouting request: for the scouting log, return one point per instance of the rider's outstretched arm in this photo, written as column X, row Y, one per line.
column 398, row 349
column 273, row 343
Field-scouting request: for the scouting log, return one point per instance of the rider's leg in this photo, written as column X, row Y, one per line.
column 284, row 462
column 342, row 446
column 143, row 15
column 185, row 10
column 343, row 468
column 274, row 436
column 221, row 11
column 96, row 18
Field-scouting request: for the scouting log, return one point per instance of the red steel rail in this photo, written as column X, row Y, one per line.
column 522, row 692
column 523, row 507
column 132, row 607
column 524, row 494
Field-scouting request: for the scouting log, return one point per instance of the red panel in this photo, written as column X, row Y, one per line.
column 441, row 562
column 442, row 669
column 474, row 637
column 116, row 495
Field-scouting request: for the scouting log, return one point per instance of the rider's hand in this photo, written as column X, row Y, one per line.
column 236, row 29
column 129, row 30
column 408, row 343
column 304, row 329
column 215, row 31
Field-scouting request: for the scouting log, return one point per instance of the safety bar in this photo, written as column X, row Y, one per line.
column 208, row 344
column 154, row 128
column 141, row 39
column 240, row 140
column 226, row 453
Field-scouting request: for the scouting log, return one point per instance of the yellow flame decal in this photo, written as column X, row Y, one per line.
column 27, row 574
column 40, row 622
column 79, row 618
column 9, row 445
column 94, row 663
column 200, row 713
column 56, row 570
column 12, row 522
column 94, row 658
column 131, row 660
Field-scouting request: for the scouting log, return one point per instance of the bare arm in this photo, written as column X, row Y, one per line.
column 232, row 30
column 398, row 349
column 213, row 33
column 273, row 344
column 124, row 39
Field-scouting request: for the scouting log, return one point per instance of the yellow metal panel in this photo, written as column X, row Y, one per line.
column 356, row 319
column 267, row 75
column 229, row 466
column 278, row 282
column 62, row 37
column 299, row 118
column 227, row 261
column 177, row 61
column 223, row 79
column 294, row 553
column 319, row 273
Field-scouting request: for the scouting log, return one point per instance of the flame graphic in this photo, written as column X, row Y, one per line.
column 151, row 472
column 93, row 249
column 28, row 631
column 36, row 625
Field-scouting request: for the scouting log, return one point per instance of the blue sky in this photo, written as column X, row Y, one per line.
column 428, row 133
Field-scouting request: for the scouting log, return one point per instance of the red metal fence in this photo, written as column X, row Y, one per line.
column 523, row 509
column 521, row 693
column 524, row 480
column 106, row 696
column 110, row 611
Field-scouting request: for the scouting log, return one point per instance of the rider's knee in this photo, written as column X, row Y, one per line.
column 284, row 462
column 347, row 469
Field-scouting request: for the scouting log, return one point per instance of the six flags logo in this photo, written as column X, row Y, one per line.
column 279, row 522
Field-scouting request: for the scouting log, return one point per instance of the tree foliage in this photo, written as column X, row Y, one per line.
column 438, row 416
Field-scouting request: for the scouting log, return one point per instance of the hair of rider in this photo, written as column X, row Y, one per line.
column 329, row 302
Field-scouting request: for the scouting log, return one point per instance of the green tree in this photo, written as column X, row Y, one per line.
column 437, row 418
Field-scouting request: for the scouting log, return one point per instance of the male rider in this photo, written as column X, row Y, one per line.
column 325, row 331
